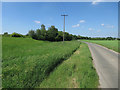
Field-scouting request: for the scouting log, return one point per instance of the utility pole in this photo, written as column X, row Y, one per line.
column 64, row 26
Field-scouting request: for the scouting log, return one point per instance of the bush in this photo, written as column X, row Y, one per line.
column 6, row 34
column 74, row 37
column 59, row 38
column 16, row 35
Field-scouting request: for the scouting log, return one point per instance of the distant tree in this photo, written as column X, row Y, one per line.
column 38, row 34
column 27, row 35
column 16, row 35
column 43, row 27
column 68, row 37
column 103, row 38
column 74, row 37
column 59, row 37
column 109, row 38
column 118, row 38
column 43, row 32
column 6, row 34
column 78, row 37
column 32, row 34
column 52, row 33
column 89, row 38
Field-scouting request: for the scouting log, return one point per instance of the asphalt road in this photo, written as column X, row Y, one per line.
column 106, row 64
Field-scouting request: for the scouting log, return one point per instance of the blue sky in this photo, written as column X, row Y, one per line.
column 84, row 18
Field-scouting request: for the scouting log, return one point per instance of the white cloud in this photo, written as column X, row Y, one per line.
column 37, row 22
column 82, row 21
column 90, row 29
column 109, row 26
column 77, row 25
column 102, row 24
column 96, row 1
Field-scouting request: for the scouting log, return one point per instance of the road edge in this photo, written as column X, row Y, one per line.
column 99, row 86
column 106, row 48
column 94, row 65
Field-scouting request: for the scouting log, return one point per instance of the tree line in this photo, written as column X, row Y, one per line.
column 52, row 34
column 97, row 38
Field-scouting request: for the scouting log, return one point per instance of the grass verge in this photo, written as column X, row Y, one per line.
column 76, row 72
column 111, row 44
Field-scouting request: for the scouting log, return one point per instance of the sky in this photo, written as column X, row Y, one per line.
column 92, row 19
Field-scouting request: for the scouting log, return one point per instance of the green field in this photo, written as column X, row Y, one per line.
column 27, row 62
column 76, row 72
column 111, row 44
column 32, row 63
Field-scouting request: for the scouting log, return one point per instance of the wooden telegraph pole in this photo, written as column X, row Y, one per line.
column 64, row 26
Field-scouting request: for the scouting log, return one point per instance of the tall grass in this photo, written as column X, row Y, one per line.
column 27, row 62
column 75, row 72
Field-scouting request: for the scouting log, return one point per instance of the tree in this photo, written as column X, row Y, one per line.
column 74, row 37
column 118, row 38
column 43, row 27
column 38, row 34
column 32, row 34
column 43, row 32
column 59, row 37
column 68, row 37
column 79, row 37
column 5, row 34
column 52, row 33
column 16, row 35
column 109, row 38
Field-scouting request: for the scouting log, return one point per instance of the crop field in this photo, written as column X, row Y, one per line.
column 75, row 72
column 27, row 62
column 111, row 44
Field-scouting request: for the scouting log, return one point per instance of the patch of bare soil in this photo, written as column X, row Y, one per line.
column 74, row 83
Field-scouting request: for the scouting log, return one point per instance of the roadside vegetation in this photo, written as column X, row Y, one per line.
column 27, row 62
column 111, row 44
column 75, row 72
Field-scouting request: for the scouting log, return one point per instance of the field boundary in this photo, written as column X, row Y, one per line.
column 60, row 62
column 99, row 56
column 105, row 48
column 99, row 86
column 93, row 61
